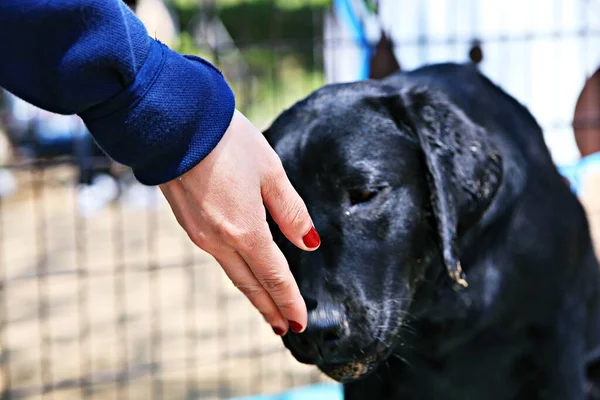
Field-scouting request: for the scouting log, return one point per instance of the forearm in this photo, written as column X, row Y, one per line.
column 147, row 106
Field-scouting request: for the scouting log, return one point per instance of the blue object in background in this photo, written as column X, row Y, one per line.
column 347, row 15
column 575, row 172
column 323, row 391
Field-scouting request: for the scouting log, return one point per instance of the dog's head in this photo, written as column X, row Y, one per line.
column 392, row 178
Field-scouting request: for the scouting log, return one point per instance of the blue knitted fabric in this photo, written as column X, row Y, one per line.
column 147, row 106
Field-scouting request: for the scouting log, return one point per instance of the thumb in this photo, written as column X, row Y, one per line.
column 288, row 210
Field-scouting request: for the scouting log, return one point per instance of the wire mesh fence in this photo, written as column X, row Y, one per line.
column 119, row 304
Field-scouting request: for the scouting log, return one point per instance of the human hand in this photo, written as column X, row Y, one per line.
column 219, row 203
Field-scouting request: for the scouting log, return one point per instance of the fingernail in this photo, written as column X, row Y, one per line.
column 278, row 331
column 296, row 327
column 312, row 239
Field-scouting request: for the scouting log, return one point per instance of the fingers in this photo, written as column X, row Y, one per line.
column 219, row 203
column 269, row 285
column 288, row 209
column 242, row 277
column 271, row 270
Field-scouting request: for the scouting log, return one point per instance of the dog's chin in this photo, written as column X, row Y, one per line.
column 358, row 368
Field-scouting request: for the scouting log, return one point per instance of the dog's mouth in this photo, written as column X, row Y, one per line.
column 358, row 368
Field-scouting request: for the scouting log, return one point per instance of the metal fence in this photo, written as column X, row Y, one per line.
column 119, row 304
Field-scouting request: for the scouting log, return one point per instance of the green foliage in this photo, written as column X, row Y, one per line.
column 372, row 6
column 276, row 42
column 261, row 20
column 282, row 4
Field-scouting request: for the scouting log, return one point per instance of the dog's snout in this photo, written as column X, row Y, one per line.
column 326, row 326
column 325, row 334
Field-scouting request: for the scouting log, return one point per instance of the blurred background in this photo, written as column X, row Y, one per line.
column 102, row 294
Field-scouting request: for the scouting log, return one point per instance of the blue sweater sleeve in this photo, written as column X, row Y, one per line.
column 147, row 106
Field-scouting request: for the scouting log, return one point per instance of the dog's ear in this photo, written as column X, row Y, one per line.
column 464, row 168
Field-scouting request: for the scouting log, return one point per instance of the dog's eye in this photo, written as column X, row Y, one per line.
column 360, row 196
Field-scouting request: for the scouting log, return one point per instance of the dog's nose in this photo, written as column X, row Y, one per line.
column 326, row 326
column 325, row 334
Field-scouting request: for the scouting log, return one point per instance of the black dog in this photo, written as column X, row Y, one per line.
column 455, row 262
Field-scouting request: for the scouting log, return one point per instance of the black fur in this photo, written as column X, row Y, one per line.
column 455, row 263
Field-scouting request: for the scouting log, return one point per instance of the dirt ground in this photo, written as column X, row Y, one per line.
column 122, row 306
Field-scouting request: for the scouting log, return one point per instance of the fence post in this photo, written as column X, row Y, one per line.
column 3, row 387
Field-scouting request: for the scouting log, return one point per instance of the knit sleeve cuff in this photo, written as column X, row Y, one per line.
column 168, row 119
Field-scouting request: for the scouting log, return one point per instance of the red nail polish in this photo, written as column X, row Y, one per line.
column 296, row 327
column 278, row 331
column 312, row 239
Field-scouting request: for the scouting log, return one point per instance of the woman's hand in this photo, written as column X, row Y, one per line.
column 219, row 203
